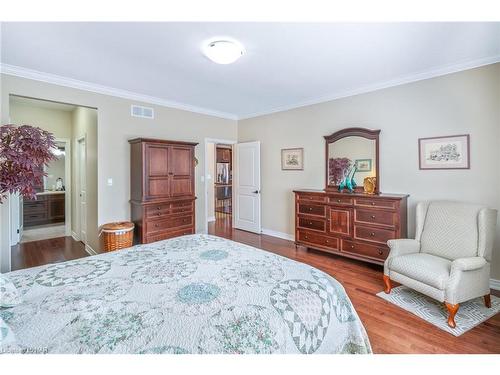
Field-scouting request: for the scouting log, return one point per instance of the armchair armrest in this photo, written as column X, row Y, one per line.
column 403, row 246
column 399, row 247
column 468, row 264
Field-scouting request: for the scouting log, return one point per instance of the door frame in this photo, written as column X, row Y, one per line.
column 67, row 178
column 78, row 215
column 205, row 173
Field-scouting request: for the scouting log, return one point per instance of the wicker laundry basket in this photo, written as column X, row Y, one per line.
column 117, row 235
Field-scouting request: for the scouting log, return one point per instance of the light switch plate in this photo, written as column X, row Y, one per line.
column 110, row 182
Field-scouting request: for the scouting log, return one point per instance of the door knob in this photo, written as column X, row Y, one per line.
column 256, row 192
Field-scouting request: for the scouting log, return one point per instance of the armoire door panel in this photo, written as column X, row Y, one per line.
column 340, row 221
column 181, row 161
column 157, row 160
column 158, row 187
column 181, row 186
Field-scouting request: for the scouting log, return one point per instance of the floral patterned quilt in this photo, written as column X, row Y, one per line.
column 190, row 294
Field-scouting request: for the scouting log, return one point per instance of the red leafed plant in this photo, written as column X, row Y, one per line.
column 24, row 150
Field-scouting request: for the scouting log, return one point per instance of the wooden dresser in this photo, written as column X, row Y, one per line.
column 162, row 188
column 354, row 225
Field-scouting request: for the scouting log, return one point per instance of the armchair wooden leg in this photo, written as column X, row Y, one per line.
column 487, row 301
column 452, row 311
column 387, row 283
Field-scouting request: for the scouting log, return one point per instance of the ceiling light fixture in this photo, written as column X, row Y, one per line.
column 223, row 51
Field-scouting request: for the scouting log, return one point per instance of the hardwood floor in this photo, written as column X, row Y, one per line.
column 54, row 250
column 390, row 329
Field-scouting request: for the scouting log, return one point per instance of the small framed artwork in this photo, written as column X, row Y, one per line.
column 449, row 152
column 292, row 159
column 363, row 165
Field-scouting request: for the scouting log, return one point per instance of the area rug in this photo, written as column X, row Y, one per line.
column 469, row 315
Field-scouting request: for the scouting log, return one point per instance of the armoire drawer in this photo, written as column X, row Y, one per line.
column 372, row 234
column 168, row 224
column 378, row 217
column 309, row 223
column 169, row 234
column 372, row 251
column 157, row 210
column 317, row 239
column 181, row 207
column 312, row 209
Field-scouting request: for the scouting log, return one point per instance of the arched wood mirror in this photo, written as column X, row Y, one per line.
column 353, row 153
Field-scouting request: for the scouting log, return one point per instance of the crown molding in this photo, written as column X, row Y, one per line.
column 106, row 90
column 471, row 64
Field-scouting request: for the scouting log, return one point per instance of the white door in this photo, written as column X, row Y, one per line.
column 82, row 189
column 247, row 187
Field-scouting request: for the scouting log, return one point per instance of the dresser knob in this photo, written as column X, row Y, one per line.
column 327, row 241
column 338, row 200
column 352, row 246
column 373, row 217
column 380, row 252
column 310, row 208
column 373, row 203
column 157, row 225
column 159, row 213
column 372, row 234
column 307, row 237
column 158, row 208
column 310, row 223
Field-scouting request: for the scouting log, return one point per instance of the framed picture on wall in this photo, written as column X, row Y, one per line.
column 363, row 165
column 449, row 152
column 292, row 159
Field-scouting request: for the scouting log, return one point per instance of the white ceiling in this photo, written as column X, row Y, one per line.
column 286, row 64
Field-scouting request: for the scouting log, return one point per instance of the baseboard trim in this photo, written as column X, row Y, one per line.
column 211, row 218
column 494, row 284
column 75, row 236
column 89, row 250
column 273, row 233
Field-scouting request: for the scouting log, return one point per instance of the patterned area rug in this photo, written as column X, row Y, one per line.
column 470, row 313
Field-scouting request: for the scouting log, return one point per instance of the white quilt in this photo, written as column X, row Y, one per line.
column 191, row 294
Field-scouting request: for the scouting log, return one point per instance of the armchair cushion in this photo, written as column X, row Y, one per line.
column 428, row 269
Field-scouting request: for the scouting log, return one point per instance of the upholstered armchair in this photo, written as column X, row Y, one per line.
column 449, row 259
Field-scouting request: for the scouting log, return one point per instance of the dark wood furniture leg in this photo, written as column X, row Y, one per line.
column 487, row 300
column 452, row 311
column 387, row 283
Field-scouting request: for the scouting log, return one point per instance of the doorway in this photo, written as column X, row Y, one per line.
column 61, row 223
column 219, row 185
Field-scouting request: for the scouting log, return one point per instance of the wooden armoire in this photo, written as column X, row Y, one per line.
column 162, row 188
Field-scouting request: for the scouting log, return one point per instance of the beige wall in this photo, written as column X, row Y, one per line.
column 115, row 127
column 84, row 124
column 55, row 121
column 462, row 103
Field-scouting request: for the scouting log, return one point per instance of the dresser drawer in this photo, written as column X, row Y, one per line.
column 371, row 251
column 373, row 234
column 34, row 216
column 377, row 203
column 311, row 198
column 375, row 217
column 314, row 224
column 340, row 200
column 317, row 239
column 168, row 224
column 312, row 209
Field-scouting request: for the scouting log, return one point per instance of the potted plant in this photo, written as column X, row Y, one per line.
column 24, row 150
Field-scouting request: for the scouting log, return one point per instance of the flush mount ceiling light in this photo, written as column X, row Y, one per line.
column 223, row 51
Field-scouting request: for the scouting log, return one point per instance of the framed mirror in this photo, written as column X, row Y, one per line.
column 353, row 155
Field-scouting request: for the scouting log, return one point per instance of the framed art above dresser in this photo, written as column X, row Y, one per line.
column 343, row 218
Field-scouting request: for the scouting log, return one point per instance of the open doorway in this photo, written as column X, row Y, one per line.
column 52, row 227
column 219, row 185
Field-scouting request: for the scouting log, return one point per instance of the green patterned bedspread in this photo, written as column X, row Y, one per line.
column 191, row 294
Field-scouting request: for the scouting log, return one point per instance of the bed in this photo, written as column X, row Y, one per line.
column 190, row 294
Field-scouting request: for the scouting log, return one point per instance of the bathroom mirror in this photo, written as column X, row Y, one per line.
column 352, row 153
